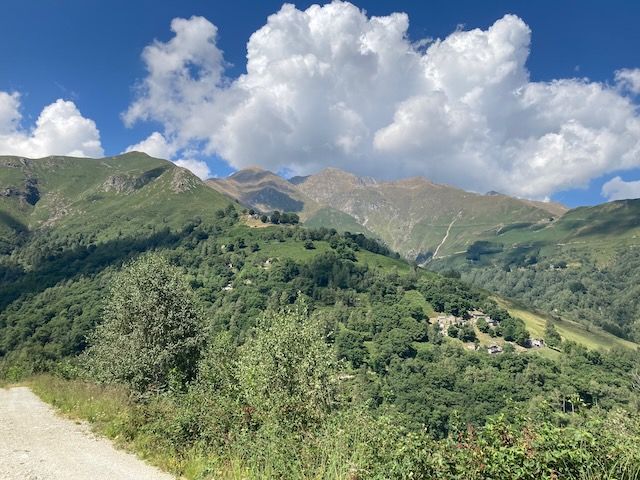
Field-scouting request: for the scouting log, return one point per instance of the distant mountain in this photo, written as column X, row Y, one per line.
column 266, row 191
column 261, row 189
column 414, row 216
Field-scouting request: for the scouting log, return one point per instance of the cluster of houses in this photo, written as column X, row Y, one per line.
column 532, row 343
column 445, row 321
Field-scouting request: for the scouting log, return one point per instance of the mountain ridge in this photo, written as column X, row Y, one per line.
column 412, row 215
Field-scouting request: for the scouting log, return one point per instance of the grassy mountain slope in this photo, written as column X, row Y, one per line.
column 103, row 198
column 591, row 337
column 414, row 215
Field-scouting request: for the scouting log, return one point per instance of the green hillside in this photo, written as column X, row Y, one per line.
column 332, row 218
column 590, row 336
column 104, row 198
column 583, row 267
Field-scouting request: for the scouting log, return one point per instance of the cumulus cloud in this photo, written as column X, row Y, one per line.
column 197, row 167
column 332, row 86
column 629, row 79
column 618, row 189
column 59, row 130
column 154, row 145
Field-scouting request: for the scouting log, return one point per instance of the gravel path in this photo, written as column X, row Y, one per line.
column 36, row 444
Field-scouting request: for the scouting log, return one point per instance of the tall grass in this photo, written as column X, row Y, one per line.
column 350, row 445
column 112, row 412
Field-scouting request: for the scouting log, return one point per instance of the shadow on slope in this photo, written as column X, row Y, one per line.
column 53, row 268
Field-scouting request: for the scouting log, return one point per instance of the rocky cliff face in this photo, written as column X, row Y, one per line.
column 28, row 194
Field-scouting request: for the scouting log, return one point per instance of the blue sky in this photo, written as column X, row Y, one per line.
column 89, row 52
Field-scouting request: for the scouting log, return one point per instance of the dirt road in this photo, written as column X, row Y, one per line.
column 37, row 444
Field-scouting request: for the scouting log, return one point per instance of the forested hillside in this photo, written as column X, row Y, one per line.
column 283, row 351
column 583, row 267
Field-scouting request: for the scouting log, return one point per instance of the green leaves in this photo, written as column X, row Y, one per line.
column 151, row 331
column 286, row 370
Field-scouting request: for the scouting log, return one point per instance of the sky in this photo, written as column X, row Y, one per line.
column 533, row 99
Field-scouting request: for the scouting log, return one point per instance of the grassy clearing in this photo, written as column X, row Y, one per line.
column 382, row 262
column 592, row 338
column 417, row 298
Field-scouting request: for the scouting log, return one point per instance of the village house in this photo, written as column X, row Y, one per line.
column 476, row 315
column 445, row 321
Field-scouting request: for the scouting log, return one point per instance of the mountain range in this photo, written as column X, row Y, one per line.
column 577, row 263
column 416, row 217
column 580, row 263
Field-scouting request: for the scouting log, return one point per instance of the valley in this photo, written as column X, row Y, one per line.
column 493, row 240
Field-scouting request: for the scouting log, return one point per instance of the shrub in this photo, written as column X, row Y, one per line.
column 150, row 335
column 287, row 371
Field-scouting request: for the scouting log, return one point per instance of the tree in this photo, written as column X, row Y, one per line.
column 350, row 346
column 467, row 333
column 514, row 330
column 287, row 371
column 308, row 244
column 577, row 287
column 482, row 324
column 453, row 331
column 290, row 218
column 151, row 330
column 551, row 335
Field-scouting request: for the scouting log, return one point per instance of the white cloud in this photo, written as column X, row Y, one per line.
column 197, row 167
column 332, row 86
column 183, row 76
column 59, row 130
column 9, row 113
column 618, row 189
column 154, row 145
column 629, row 78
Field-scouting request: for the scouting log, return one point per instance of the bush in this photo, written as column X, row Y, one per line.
column 287, row 371
column 151, row 331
